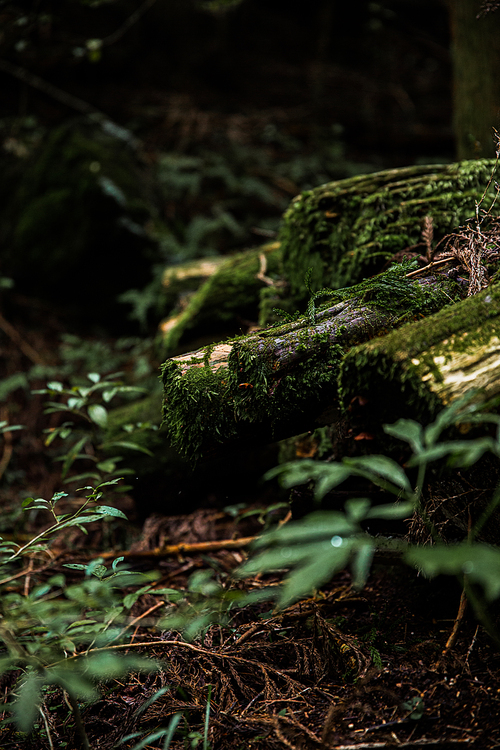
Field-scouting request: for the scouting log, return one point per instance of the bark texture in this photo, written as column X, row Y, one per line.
column 476, row 83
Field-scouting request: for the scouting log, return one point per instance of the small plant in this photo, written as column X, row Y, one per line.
column 325, row 542
column 60, row 634
column 88, row 404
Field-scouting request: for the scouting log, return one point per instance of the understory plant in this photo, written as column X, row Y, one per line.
column 85, row 440
column 325, row 542
column 60, row 633
column 65, row 634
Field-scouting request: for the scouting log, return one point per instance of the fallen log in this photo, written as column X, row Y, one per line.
column 347, row 230
column 279, row 380
column 229, row 295
column 414, row 372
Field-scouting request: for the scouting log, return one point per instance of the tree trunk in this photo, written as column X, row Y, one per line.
column 281, row 379
column 417, row 370
column 476, row 80
column 347, row 230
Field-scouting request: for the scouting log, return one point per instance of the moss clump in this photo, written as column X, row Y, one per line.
column 197, row 410
column 346, row 230
column 274, row 380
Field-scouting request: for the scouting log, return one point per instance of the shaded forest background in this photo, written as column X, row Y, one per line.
column 229, row 113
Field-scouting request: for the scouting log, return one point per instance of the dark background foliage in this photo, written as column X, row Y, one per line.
column 229, row 110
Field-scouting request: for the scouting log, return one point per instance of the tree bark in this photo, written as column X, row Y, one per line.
column 476, row 83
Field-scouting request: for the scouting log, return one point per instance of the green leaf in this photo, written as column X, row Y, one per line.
column 73, row 453
column 98, row 414
column 75, row 403
column 151, row 700
column 172, row 726
column 26, row 706
column 479, row 562
column 54, row 385
column 108, row 510
column 79, row 477
column 107, row 483
column 458, row 412
column 84, row 519
column 357, row 508
column 94, row 377
column 392, row 511
column 129, row 445
column 318, row 569
column 407, row 430
column 108, row 395
column 107, row 466
column 71, row 679
column 361, row 564
column 374, row 467
column 321, row 525
column 109, row 664
column 330, row 476
column 150, row 738
column 462, row 453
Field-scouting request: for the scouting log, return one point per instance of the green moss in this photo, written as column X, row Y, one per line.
column 346, row 230
column 230, row 294
column 197, row 410
column 276, row 376
column 397, row 373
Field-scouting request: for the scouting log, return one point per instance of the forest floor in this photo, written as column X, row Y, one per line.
column 343, row 669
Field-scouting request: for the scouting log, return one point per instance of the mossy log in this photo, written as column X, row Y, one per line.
column 227, row 297
column 278, row 381
column 417, row 370
column 347, row 230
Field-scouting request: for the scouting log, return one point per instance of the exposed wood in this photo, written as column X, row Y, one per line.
column 221, row 293
column 419, row 369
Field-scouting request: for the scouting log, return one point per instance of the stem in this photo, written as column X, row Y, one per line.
column 495, row 500
column 50, row 530
column 419, row 488
column 80, row 729
column 481, row 612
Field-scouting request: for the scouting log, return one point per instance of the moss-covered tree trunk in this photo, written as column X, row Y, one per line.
column 347, row 230
column 230, row 294
column 281, row 379
column 476, row 79
column 422, row 367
